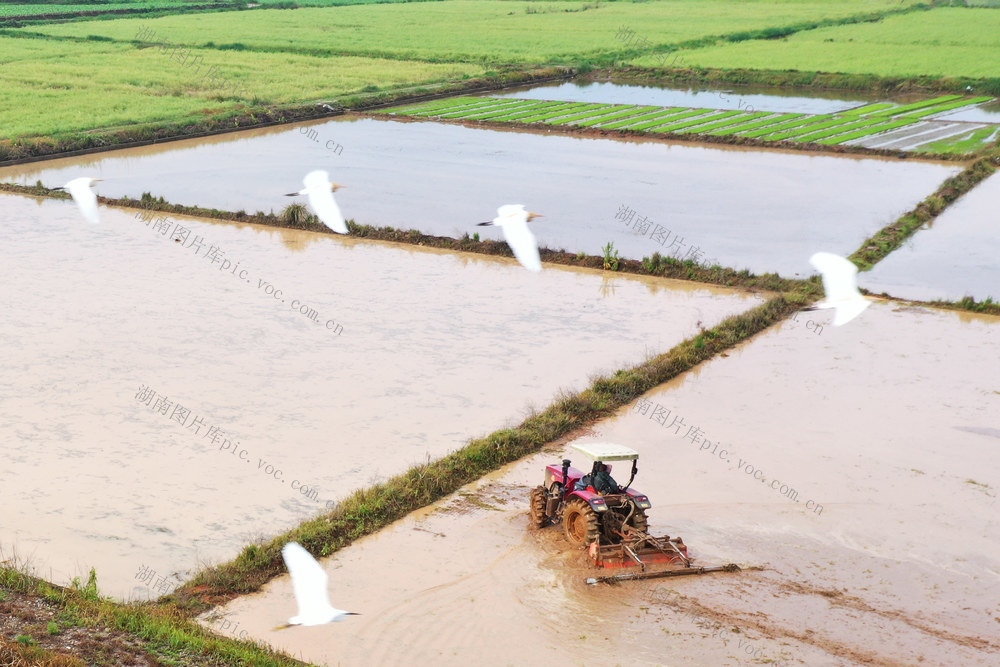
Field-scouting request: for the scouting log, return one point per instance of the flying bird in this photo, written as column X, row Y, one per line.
column 86, row 200
column 309, row 581
column 320, row 191
column 840, row 282
column 513, row 219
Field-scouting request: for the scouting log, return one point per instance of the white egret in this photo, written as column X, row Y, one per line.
column 86, row 200
column 320, row 192
column 513, row 219
column 309, row 581
column 840, row 282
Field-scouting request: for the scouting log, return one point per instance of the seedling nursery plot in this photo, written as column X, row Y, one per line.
column 847, row 127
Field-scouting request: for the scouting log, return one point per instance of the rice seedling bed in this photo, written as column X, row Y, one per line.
column 632, row 113
column 868, row 108
column 764, row 122
column 738, row 119
column 780, row 127
column 575, row 106
column 947, row 107
column 596, row 114
column 643, row 117
column 872, row 129
column 811, row 128
column 507, row 110
column 895, row 111
column 696, row 120
column 669, row 118
column 524, row 113
column 493, row 105
column 962, row 143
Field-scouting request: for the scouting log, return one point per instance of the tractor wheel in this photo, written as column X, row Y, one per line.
column 537, row 511
column 639, row 520
column 580, row 523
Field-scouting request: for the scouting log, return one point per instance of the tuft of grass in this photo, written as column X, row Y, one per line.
column 295, row 215
column 611, row 258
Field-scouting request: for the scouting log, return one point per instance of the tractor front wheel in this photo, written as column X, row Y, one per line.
column 580, row 523
column 538, row 502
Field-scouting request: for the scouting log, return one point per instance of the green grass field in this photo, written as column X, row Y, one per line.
column 945, row 41
column 487, row 31
column 66, row 77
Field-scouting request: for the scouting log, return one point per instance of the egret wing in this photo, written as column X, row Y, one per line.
column 523, row 243
column 840, row 277
column 86, row 200
column 321, row 199
column 848, row 310
column 309, row 581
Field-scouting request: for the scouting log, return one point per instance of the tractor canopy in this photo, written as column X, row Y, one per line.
column 606, row 451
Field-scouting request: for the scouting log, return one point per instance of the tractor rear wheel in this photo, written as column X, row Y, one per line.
column 537, row 512
column 639, row 520
column 580, row 523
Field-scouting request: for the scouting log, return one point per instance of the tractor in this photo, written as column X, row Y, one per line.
column 599, row 514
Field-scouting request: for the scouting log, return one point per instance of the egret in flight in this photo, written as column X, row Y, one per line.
column 320, row 192
column 840, row 282
column 309, row 581
column 86, row 200
column 513, row 219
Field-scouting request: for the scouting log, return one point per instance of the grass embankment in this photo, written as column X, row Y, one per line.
column 876, row 248
column 49, row 618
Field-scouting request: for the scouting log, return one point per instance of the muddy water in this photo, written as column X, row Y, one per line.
column 436, row 348
column 759, row 98
column 955, row 257
column 889, row 424
column 762, row 210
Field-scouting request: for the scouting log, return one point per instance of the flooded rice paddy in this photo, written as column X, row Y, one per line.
column 885, row 552
column 762, row 210
column 759, row 98
column 954, row 257
column 111, row 327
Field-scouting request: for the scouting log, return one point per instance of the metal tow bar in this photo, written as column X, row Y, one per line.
column 731, row 567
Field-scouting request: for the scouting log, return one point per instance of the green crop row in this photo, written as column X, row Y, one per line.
column 643, row 117
column 603, row 112
column 872, row 129
column 667, row 118
column 795, row 122
column 766, row 122
column 739, row 119
column 631, row 113
column 534, row 111
column 723, row 119
column 698, row 119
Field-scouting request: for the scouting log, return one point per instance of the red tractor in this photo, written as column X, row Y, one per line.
column 599, row 514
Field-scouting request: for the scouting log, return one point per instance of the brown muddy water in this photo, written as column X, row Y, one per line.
column 762, row 210
column 436, row 348
column 955, row 256
column 888, row 552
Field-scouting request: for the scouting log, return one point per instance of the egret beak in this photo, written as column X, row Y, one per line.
column 59, row 188
column 97, row 180
column 282, row 627
column 336, row 186
column 532, row 216
column 292, row 194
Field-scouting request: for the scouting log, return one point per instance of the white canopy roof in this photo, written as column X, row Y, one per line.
column 606, row 451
